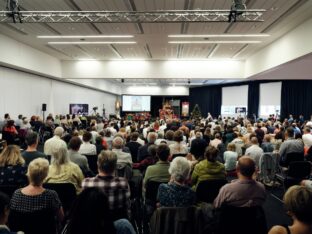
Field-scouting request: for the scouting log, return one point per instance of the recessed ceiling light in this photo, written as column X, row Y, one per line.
column 84, row 36
column 214, row 42
column 89, row 42
column 217, row 35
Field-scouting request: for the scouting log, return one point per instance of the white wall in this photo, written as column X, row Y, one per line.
column 24, row 93
column 23, row 57
column 211, row 69
column 156, row 90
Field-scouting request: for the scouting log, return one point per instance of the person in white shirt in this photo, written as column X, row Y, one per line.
column 86, row 147
column 55, row 142
column 215, row 142
column 112, row 129
column 307, row 137
column 122, row 157
column 254, row 151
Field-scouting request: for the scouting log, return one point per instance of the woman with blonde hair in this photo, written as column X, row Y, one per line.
column 62, row 170
column 298, row 203
column 35, row 198
column 12, row 168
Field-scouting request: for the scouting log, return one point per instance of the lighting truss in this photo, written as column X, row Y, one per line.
column 132, row 16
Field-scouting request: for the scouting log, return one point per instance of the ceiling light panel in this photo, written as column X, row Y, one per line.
column 214, row 42
column 84, row 36
column 89, row 42
column 217, row 35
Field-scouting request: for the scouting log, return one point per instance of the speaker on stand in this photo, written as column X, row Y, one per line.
column 44, row 109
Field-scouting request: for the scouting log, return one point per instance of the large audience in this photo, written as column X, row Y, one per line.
column 123, row 172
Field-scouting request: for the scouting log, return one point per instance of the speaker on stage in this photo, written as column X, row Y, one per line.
column 44, row 107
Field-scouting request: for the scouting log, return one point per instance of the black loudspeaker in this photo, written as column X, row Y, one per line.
column 44, row 107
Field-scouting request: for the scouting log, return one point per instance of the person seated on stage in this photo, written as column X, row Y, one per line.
column 177, row 193
column 298, row 203
column 31, row 153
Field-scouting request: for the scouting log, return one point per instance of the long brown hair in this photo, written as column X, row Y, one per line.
column 11, row 156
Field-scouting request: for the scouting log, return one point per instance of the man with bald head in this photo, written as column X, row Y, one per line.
column 245, row 191
column 254, row 151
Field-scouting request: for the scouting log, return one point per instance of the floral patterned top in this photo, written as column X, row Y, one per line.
column 175, row 195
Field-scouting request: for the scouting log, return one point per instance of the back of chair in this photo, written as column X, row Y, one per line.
column 65, row 191
column 177, row 220
column 299, row 170
column 92, row 161
column 151, row 190
column 9, row 189
column 293, row 157
column 242, row 220
column 208, row 190
column 37, row 222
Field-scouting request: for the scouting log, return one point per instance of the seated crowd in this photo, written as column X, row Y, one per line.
column 113, row 165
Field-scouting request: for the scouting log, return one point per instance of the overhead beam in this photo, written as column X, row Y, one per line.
column 131, row 16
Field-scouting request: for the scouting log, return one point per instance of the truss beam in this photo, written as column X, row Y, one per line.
column 130, row 16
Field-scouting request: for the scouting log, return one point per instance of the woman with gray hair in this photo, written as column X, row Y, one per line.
column 177, row 193
column 62, row 170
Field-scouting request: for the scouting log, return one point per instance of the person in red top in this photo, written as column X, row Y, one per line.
column 10, row 128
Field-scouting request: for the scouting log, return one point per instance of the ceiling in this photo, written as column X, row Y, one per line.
column 152, row 38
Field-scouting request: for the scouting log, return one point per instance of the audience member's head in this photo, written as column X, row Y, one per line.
column 11, row 156
column 180, row 169
column 118, row 143
column 59, row 156
column 98, row 140
column 151, row 137
column 289, row 132
column 218, row 136
column 254, row 140
column 211, row 153
column 198, row 135
column 163, row 152
column 37, row 171
column 87, row 136
column 74, row 143
column 267, row 138
column 107, row 162
column 298, row 203
column 169, row 135
column 134, row 136
column 59, row 131
column 178, row 136
column 152, row 151
column 32, row 139
column 90, row 213
column 246, row 167
column 231, row 147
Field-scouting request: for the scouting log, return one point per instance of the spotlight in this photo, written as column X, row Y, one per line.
column 189, row 81
column 237, row 8
column 122, row 80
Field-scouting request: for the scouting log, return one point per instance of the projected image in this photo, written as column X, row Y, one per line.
column 82, row 109
column 136, row 103
column 233, row 110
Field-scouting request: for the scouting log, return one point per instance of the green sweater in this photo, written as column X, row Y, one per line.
column 206, row 170
column 158, row 172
